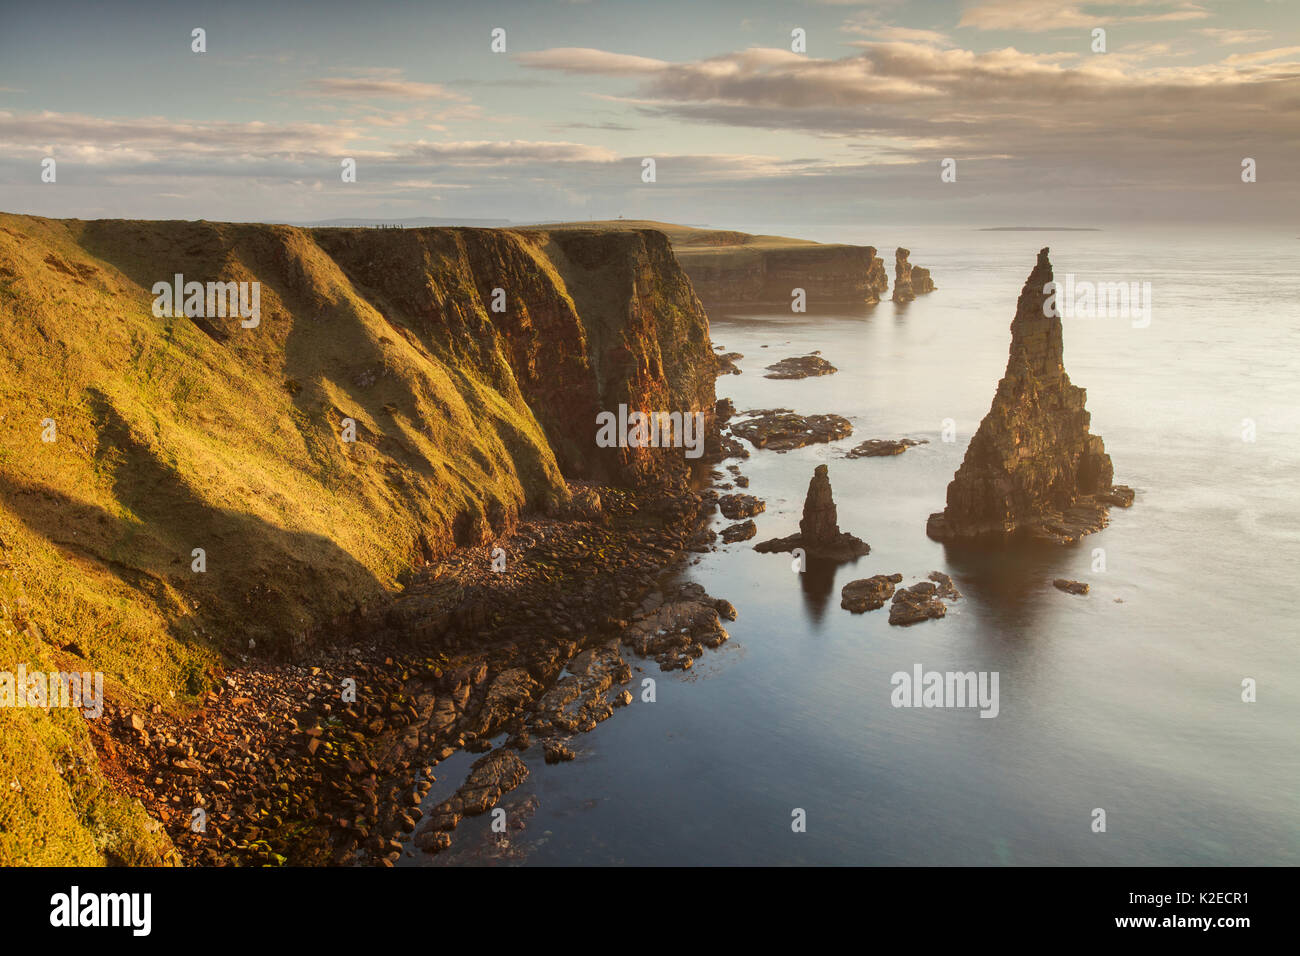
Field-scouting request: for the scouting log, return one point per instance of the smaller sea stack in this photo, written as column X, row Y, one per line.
column 909, row 280
column 819, row 534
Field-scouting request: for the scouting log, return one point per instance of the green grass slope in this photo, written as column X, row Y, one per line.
column 174, row 434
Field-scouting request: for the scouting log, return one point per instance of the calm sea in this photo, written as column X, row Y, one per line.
column 1128, row 699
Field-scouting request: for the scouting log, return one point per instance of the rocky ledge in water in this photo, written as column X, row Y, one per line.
column 735, row 507
column 801, row 366
column 675, row 629
column 819, row 534
column 727, row 363
column 923, row 601
column 1070, row 587
column 739, row 532
column 909, row 280
column 290, row 773
column 867, row 594
column 883, row 447
column 780, row 429
column 1032, row 466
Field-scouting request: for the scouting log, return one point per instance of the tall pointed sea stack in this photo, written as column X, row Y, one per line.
column 1032, row 465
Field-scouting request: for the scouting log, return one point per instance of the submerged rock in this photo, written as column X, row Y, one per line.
column 909, row 280
column 1032, row 465
column 882, row 447
column 780, row 429
column 801, row 366
column 819, row 534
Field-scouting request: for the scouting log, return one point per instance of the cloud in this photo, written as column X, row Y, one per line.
column 1037, row 16
column 1234, row 37
column 1263, row 56
column 363, row 87
column 1065, row 116
column 512, row 153
column 95, row 136
column 584, row 60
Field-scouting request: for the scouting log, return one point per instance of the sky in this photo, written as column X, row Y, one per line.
column 1042, row 126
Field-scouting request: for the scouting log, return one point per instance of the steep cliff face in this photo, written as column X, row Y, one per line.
column 584, row 320
column 175, row 485
column 647, row 338
column 729, row 267
column 768, row 276
column 909, row 280
column 205, row 433
column 1032, row 465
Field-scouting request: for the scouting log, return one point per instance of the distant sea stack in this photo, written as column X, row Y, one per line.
column 1032, row 466
column 909, row 280
column 819, row 533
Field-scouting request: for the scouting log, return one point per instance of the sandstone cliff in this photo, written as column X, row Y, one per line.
column 1032, row 465
column 729, row 267
column 827, row 273
column 128, row 440
column 909, row 280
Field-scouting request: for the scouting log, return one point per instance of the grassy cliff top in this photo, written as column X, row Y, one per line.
column 691, row 242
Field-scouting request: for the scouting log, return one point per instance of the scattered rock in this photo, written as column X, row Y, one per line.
column 738, row 506
column 727, row 363
column 918, row 603
column 677, row 631
column 946, row 589
column 1121, row 495
column 739, row 532
column 557, row 752
column 881, row 447
column 780, row 429
column 802, row 366
column 867, row 594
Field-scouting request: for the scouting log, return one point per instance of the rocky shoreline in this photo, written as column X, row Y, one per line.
column 281, row 765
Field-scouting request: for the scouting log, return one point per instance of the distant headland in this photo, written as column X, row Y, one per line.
column 1039, row 229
